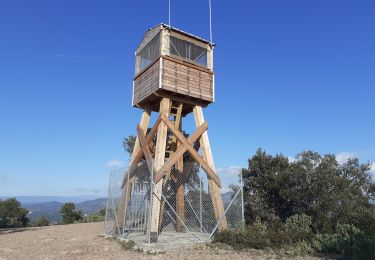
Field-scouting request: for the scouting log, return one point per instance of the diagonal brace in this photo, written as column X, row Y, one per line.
column 145, row 148
column 140, row 153
column 187, row 146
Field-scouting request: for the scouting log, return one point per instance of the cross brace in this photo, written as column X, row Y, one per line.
column 187, row 145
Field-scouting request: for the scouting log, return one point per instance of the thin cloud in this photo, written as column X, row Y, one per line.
column 3, row 179
column 89, row 191
column 372, row 171
column 229, row 171
column 114, row 164
column 77, row 57
column 344, row 156
column 66, row 56
column 229, row 176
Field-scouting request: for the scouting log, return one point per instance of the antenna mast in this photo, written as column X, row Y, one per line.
column 169, row 13
column 209, row 5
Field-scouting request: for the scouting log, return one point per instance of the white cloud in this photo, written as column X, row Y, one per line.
column 292, row 159
column 344, row 156
column 3, row 179
column 89, row 190
column 114, row 164
column 228, row 176
column 229, row 171
column 372, row 171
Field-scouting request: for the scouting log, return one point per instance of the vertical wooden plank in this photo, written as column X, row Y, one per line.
column 161, row 142
column 215, row 191
column 125, row 195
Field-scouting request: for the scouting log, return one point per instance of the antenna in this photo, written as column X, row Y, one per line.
column 209, row 6
column 169, row 13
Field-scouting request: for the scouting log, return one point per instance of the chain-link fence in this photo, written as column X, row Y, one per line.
column 188, row 205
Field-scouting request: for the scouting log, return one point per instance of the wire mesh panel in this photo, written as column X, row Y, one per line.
column 232, row 194
column 186, row 206
column 137, row 200
column 111, row 224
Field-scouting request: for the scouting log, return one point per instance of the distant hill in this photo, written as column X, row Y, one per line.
column 41, row 199
column 51, row 209
column 49, row 206
column 92, row 206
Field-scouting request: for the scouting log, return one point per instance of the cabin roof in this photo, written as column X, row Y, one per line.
column 165, row 26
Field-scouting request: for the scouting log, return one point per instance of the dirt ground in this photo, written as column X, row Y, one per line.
column 83, row 241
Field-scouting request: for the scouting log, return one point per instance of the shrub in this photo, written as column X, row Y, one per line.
column 301, row 248
column 348, row 241
column 96, row 217
column 69, row 214
column 40, row 222
column 275, row 235
column 298, row 227
column 12, row 214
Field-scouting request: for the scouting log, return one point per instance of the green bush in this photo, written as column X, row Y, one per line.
column 12, row 214
column 300, row 248
column 69, row 214
column 274, row 235
column 348, row 241
column 295, row 236
column 96, row 217
column 299, row 226
column 40, row 222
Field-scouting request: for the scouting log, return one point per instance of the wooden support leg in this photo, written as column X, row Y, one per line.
column 180, row 189
column 161, row 142
column 162, row 206
column 207, row 156
column 125, row 195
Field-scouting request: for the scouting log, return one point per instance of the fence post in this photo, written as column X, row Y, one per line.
column 126, row 201
column 151, row 192
column 242, row 202
column 200, row 204
column 107, row 207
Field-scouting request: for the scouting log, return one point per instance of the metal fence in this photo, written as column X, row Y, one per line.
column 186, row 206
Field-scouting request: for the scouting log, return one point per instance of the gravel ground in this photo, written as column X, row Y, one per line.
column 82, row 241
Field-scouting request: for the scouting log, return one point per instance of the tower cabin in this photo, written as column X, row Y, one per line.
column 173, row 64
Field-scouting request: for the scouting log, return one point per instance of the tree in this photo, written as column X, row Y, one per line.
column 315, row 185
column 12, row 214
column 102, row 212
column 69, row 214
column 40, row 222
column 128, row 144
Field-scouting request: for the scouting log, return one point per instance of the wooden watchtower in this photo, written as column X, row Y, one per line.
column 174, row 77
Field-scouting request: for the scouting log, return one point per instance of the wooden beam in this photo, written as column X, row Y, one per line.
column 189, row 165
column 145, row 149
column 180, row 189
column 188, row 145
column 125, row 195
column 185, row 99
column 138, row 153
column 161, row 142
column 215, row 192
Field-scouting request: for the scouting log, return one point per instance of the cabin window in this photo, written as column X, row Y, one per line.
column 148, row 54
column 188, row 50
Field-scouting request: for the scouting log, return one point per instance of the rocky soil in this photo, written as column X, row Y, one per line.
column 83, row 241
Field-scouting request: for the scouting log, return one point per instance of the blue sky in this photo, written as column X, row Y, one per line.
column 290, row 76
